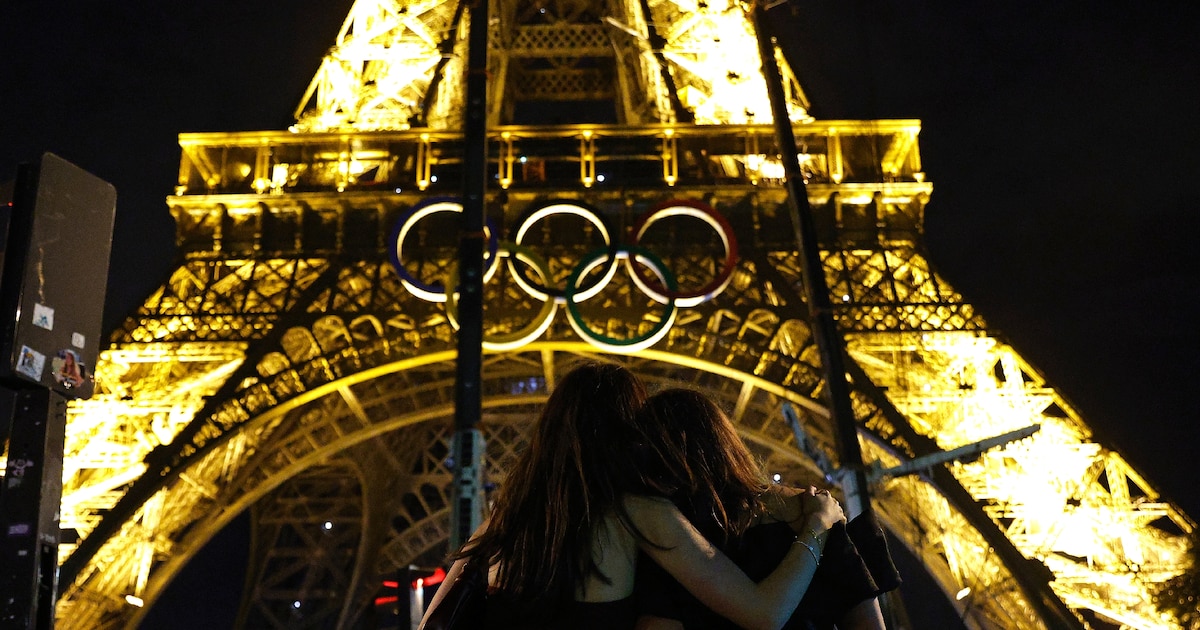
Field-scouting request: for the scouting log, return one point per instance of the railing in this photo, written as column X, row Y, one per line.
column 835, row 152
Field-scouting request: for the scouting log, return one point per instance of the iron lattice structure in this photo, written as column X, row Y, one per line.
column 286, row 369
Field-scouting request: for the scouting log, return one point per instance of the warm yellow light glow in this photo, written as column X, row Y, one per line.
column 374, row 77
column 716, row 51
column 961, row 387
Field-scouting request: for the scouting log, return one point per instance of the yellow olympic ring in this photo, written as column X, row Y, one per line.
column 535, row 328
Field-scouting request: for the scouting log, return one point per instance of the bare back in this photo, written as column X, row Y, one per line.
column 615, row 552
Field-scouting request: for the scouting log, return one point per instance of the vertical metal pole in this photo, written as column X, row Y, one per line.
column 816, row 292
column 467, row 447
column 29, row 507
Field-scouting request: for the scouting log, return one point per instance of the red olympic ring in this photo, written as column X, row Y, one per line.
column 706, row 213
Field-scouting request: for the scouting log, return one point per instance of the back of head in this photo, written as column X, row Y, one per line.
column 693, row 455
column 569, row 478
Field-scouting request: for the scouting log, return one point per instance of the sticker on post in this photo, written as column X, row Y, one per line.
column 31, row 363
column 43, row 316
column 17, row 466
column 68, row 369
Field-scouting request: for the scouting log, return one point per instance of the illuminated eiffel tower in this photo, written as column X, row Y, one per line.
column 298, row 365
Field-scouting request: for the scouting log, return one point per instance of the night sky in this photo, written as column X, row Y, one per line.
column 1061, row 139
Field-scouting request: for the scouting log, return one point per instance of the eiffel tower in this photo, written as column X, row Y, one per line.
column 298, row 365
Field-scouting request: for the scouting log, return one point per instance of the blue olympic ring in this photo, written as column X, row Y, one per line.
column 433, row 292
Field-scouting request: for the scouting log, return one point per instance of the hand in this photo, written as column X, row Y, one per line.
column 819, row 511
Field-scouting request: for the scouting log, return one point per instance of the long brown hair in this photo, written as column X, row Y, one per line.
column 692, row 454
column 571, row 476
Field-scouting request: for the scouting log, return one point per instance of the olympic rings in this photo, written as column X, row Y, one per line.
column 530, row 332
column 429, row 292
column 587, row 278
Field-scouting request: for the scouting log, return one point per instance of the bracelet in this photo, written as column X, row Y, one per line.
column 811, row 551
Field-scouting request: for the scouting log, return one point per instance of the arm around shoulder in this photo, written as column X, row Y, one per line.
column 711, row 576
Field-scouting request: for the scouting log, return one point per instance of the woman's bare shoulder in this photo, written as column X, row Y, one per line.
column 655, row 517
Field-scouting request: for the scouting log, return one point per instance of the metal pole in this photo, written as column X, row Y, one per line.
column 29, row 506
column 467, row 447
column 816, row 292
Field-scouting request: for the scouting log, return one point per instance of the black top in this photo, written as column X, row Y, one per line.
column 842, row 580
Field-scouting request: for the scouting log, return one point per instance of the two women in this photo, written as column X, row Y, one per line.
column 563, row 541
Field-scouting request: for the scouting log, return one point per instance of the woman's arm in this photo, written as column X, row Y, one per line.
column 456, row 570
column 714, row 579
column 452, row 574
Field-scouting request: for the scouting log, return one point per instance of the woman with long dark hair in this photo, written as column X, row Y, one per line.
column 562, row 541
column 694, row 456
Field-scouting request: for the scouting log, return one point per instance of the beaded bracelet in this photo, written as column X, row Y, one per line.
column 811, row 551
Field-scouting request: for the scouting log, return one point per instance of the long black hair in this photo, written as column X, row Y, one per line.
column 572, row 475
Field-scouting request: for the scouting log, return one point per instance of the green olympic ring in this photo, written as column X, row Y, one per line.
column 612, row 344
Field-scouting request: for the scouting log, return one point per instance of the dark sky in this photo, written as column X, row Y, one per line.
column 1061, row 139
